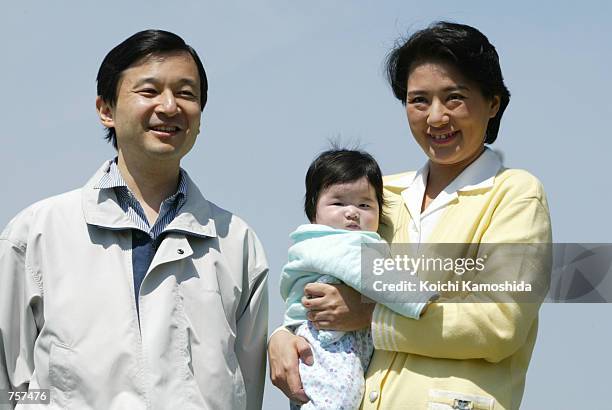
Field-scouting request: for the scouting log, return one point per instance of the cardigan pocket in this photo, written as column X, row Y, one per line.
column 450, row 400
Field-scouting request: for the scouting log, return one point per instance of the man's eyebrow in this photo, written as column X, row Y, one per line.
column 153, row 80
column 147, row 80
column 458, row 87
column 189, row 81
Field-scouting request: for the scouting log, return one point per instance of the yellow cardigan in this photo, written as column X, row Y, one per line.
column 460, row 355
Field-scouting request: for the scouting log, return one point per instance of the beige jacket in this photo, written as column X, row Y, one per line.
column 68, row 319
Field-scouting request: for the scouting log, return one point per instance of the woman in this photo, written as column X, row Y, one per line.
column 457, row 355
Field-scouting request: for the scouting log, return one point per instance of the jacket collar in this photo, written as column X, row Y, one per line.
column 100, row 208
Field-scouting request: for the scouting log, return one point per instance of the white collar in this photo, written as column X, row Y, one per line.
column 480, row 174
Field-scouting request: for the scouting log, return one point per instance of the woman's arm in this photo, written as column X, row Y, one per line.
column 490, row 331
column 284, row 351
column 341, row 307
column 337, row 307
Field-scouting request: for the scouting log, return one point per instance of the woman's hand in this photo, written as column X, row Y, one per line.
column 284, row 350
column 337, row 307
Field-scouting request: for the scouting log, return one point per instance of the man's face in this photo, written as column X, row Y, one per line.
column 157, row 113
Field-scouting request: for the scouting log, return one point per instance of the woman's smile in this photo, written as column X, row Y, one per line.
column 444, row 139
column 447, row 114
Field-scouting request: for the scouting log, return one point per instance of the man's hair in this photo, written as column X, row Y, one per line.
column 461, row 46
column 141, row 45
column 340, row 166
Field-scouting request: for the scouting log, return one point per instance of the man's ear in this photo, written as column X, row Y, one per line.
column 105, row 113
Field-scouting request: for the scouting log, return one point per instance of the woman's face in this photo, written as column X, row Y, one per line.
column 448, row 115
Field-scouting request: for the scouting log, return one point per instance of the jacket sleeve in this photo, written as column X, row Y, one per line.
column 252, row 324
column 490, row 331
column 20, row 309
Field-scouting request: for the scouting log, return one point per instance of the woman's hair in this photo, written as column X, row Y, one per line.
column 340, row 166
column 462, row 46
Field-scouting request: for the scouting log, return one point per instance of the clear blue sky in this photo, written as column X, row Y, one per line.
column 286, row 76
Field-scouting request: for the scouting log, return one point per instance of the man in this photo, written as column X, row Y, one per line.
column 135, row 292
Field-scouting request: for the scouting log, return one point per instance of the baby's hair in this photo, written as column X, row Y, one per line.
column 340, row 166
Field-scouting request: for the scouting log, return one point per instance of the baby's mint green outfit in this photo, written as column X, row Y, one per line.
column 320, row 250
column 324, row 254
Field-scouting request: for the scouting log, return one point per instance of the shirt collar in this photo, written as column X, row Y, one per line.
column 100, row 208
column 112, row 178
column 479, row 174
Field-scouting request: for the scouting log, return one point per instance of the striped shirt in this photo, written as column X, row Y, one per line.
column 130, row 205
column 146, row 238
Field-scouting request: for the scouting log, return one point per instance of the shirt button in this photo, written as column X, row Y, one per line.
column 373, row 396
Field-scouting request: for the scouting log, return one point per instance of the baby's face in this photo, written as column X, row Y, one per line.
column 351, row 206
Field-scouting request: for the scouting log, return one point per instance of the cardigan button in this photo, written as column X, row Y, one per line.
column 180, row 251
column 373, row 396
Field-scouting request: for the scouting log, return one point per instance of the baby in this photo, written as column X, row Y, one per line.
column 344, row 201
